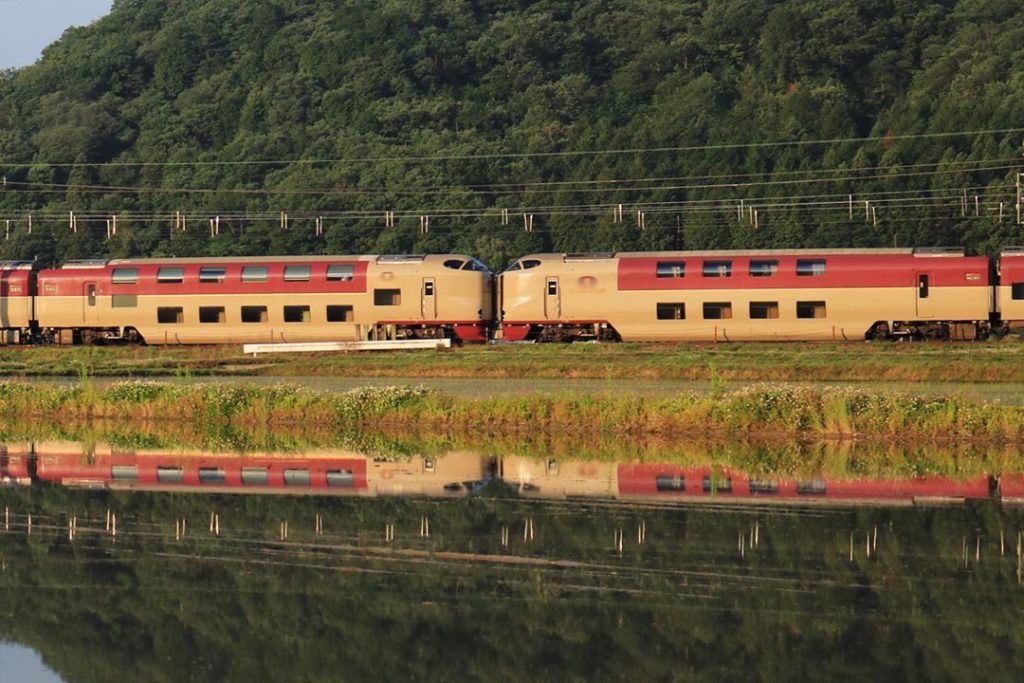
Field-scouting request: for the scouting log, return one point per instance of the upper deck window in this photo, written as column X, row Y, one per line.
column 339, row 272
column 170, row 275
column 808, row 267
column 254, row 273
column 671, row 269
column 124, row 276
column 764, row 268
column 296, row 273
column 718, row 269
column 212, row 274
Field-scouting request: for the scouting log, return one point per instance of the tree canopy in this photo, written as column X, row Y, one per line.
column 711, row 123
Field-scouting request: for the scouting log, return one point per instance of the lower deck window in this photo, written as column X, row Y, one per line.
column 254, row 314
column 211, row 314
column 387, row 297
column 340, row 314
column 170, row 315
column 764, row 486
column 296, row 314
column 1017, row 290
column 810, row 309
column 764, row 310
column 671, row 311
column 717, row 311
column 815, row 487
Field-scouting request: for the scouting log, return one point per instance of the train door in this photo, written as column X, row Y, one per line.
column 552, row 299
column 428, row 299
column 924, row 295
column 91, row 310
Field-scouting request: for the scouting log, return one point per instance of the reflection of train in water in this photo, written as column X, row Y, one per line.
column 459, row 474
column 333, row 473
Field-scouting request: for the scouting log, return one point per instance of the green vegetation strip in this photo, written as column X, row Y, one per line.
column 760, row 410
column 996, row 361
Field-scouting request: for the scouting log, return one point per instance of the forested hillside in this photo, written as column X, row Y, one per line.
column 833, row 122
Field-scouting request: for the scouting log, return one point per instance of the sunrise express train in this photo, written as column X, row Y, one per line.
column 769, row 295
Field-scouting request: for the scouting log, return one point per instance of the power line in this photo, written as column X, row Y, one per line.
column 532, row 155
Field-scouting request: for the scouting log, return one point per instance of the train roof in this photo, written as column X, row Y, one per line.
column 598, row 256
column 390, row 259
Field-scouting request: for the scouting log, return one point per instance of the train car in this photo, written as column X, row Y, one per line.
column 1009, row 293
column 324, row 472
column 269, row 299
column 747, row 295
column 560, row 479
column 16, row 461
column 17, row 286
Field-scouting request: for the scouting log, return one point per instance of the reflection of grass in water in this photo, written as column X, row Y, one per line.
column 756, row 456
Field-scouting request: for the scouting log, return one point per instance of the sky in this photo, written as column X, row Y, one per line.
column 27, row 26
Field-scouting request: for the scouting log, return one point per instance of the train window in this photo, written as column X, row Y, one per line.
column 764, row 268
column 211, row 475
column 529, row 263
column 922, row 286
column 296, row 477
column 387, row 297
column 170, row 475
column 764, row 486
column 254, row 476
column 809, row 267
column 124, row 276
column 254, row 273
column 671, row 269
column 212, row 314
column 475, row 266
column 717, row 269
column 211, row 274
column 764, row 310
column 810, row 309
column 124, row 301
column 124, row 472
column 338, row 272
column 296, row 314
column 552, row 287
column 1017, row 290
column 672, row 311
column 296, row 273
column 170, row 275
column 254, row 314
column 170, row 315
column 428, row 289
column 340, row 478
column 815, row 487
column 454, row 263
column 670, row 482
column 717, row 484
column 340, row 314
column 717, row 311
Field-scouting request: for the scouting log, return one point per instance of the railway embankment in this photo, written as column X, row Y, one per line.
column 762, row 411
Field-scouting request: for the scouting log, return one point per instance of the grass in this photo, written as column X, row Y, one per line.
column 995, row 361
column 790, row 412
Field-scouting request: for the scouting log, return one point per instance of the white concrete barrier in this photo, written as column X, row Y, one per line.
column 319, row 347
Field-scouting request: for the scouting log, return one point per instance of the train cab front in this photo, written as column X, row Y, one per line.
column 521, row 310
column 463, row 296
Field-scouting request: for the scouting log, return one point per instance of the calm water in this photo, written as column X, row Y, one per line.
column 123, row 563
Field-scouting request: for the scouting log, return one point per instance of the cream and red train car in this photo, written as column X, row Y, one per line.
column 17, row 310
column 271, row 299
column 16, row 463
column 1009, row 292
column 326, row 472
column 747, row 295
